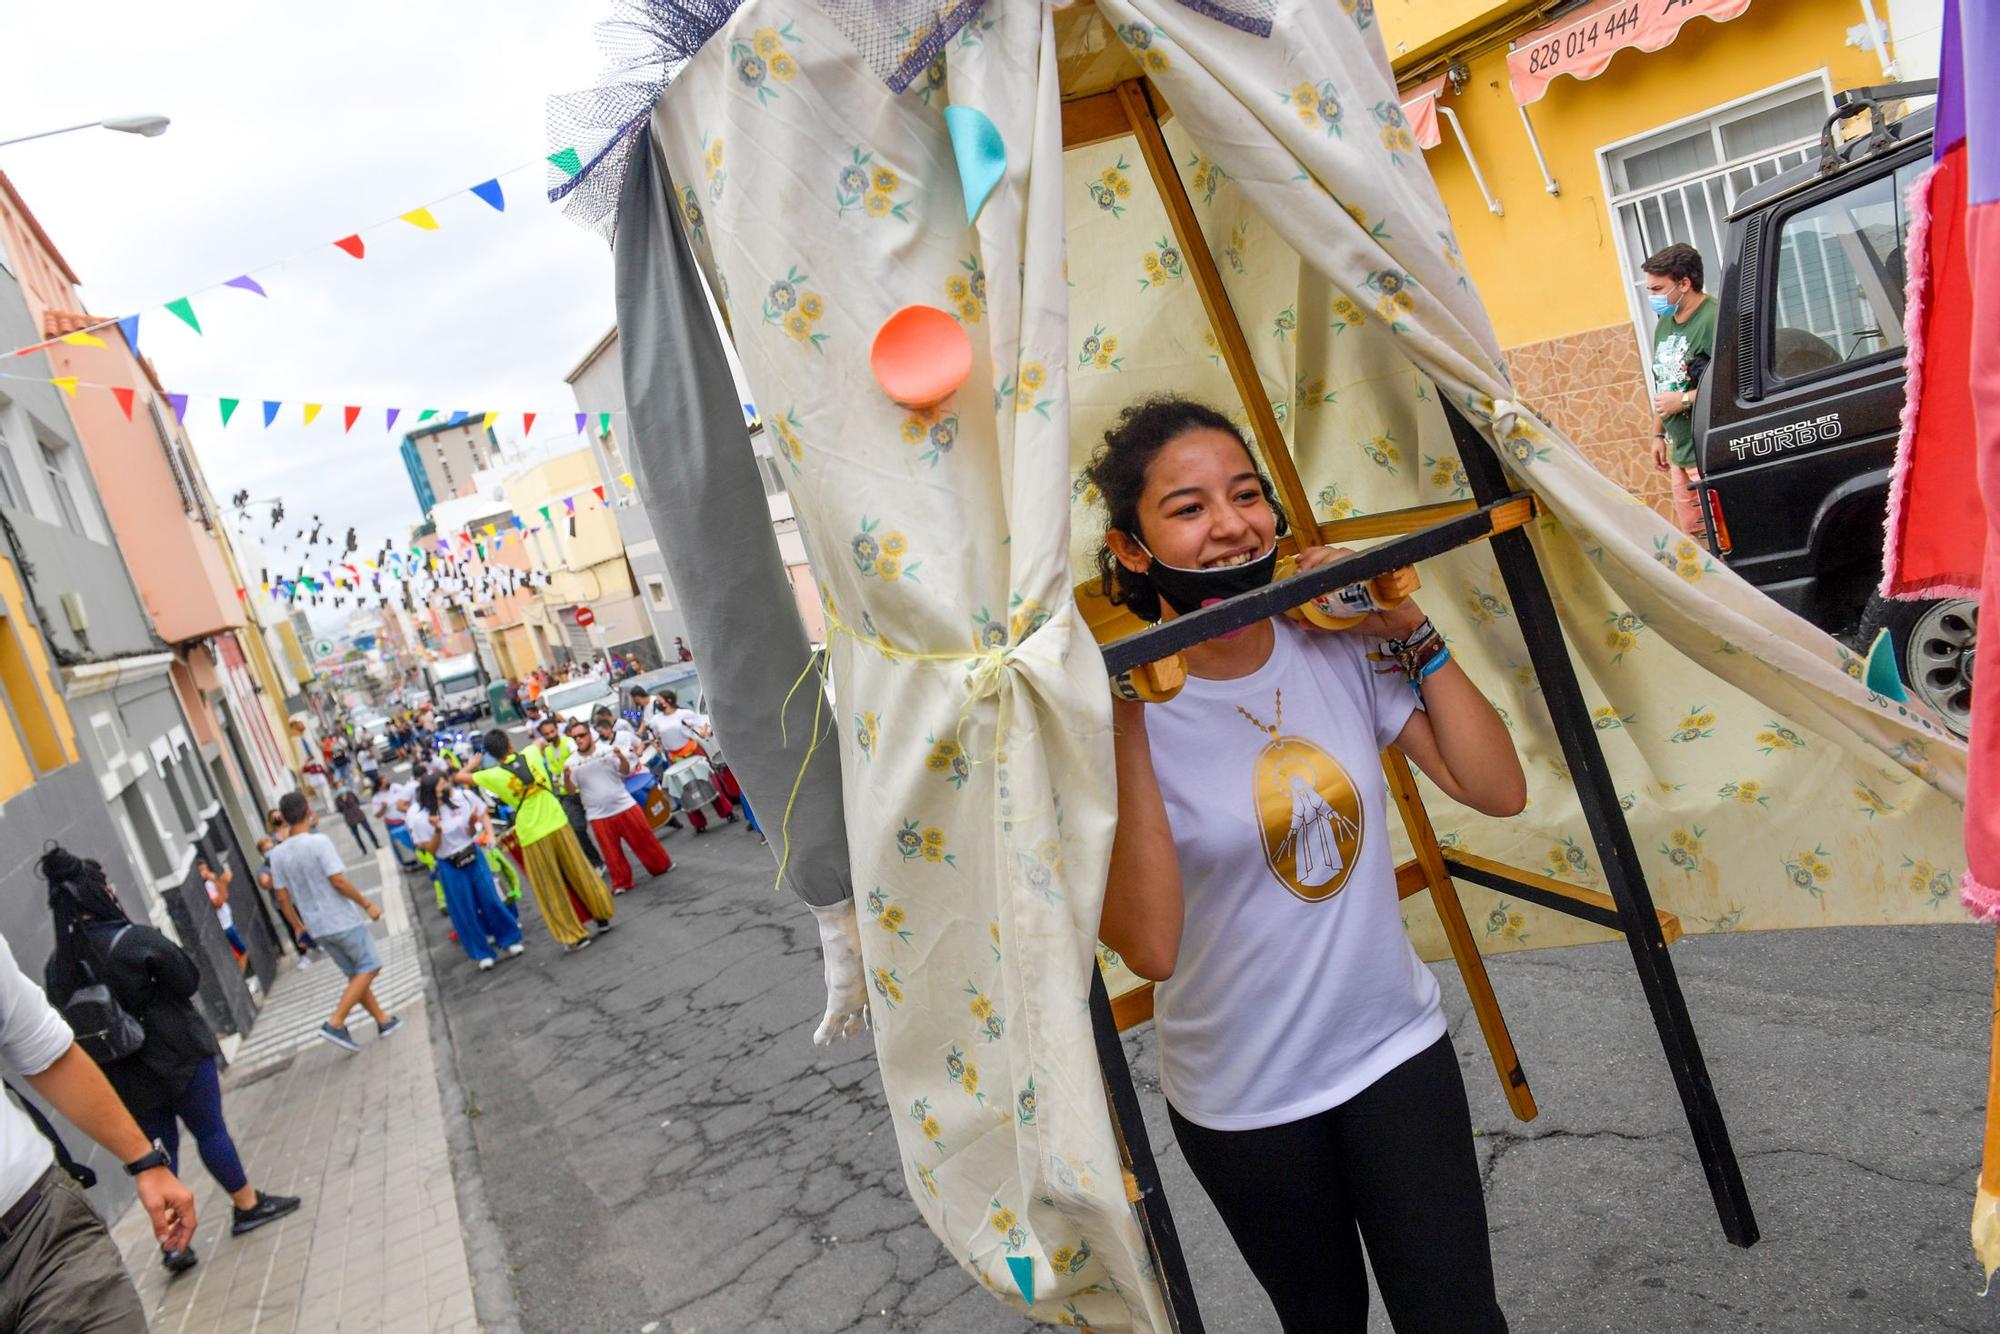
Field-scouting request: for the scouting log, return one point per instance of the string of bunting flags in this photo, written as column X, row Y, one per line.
column 348, row 414
column 489, row 192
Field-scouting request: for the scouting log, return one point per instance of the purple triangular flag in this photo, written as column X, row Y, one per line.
column 180, row 403
column 393, row 414
column 581, row 418
column 129, row 326
column 248, row 284
column 271, row 407
column 490, row 192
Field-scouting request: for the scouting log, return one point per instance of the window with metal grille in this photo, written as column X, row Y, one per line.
column 173, row 456
column 1678, row 183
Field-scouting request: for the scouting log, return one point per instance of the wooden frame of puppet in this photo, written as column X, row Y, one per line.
column 1219, row 197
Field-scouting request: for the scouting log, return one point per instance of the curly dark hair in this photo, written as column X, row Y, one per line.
column 1674, row 263
column 1118, row 471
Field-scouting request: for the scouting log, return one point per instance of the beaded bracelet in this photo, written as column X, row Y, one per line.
column 1417, row 654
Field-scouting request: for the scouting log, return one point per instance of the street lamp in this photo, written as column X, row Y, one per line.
column 150, row 127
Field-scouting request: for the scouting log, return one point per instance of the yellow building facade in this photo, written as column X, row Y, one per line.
column 1557, row 201
column 572, row 537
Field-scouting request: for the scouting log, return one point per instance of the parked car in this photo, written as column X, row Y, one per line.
column 1799, row 414
column 579, row 699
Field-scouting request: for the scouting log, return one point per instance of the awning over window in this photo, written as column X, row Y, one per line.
column 1582, row 45
column 1420, row 108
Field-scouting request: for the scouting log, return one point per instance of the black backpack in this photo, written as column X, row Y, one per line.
column 106, row 1030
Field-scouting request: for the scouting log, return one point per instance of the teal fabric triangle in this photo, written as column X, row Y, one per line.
column 981, row 154
column 1882, row 677
column 1024, row 1275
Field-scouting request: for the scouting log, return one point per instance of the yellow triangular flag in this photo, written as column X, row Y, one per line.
column 312, row 411
column 625, row 477
column 66, row 383
column 487, row 424
column 420, row 217
column 80, row 339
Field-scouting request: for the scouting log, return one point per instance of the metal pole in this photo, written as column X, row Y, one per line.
column 87, row 125
column 1535, row 611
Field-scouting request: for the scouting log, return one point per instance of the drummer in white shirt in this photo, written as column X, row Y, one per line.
column 599, row 769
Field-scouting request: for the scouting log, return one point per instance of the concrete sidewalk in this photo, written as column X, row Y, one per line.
column 362, row 1138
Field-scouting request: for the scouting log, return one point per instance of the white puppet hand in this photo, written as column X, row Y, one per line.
column 846, row 984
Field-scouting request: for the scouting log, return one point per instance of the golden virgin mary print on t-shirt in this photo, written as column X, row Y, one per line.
column 1308, row 812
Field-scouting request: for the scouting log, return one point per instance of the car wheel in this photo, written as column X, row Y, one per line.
column 1935, row 645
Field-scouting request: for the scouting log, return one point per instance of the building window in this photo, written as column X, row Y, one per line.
column 656, row 589
column 12, row 494
column 151, row 846
column 53, row 463
column 1839, row 296
column 1679, row 183
column 172, row 781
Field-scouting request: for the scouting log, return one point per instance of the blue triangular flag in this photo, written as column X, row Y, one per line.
column 129, row 326
column 1882, row 677
column 393, row 414
column 490, row 192
column 271, row 407
column 457, row 417
column 1024, row 1275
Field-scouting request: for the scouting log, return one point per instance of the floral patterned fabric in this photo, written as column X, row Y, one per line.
column 1765, row 785
column 975, row 720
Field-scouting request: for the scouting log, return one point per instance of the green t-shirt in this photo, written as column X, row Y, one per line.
column 537, row 813
column 1674, row 346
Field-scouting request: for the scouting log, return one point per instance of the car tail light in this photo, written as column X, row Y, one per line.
column 1718, row 528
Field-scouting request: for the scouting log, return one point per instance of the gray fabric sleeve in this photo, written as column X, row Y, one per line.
column 690, row 454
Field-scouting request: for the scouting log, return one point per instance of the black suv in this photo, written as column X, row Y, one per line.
column 1797, row 423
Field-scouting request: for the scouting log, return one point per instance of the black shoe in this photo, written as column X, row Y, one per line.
column 269, row 1208
column 675, row 823
column 180, row 1261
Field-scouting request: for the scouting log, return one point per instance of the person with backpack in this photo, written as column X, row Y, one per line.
column 59, row 1268
column 154, row 1046
column 565, row 888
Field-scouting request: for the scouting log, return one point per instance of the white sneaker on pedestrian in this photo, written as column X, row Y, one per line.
column 516, row 950
column 486, row 965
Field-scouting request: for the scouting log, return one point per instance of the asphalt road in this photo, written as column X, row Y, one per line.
column 666, row 1152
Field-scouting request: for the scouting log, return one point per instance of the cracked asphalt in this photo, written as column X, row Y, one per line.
column 666, row 1152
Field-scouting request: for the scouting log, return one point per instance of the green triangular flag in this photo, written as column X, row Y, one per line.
column 426, row 415
column 228, row 406
column 604, row 423
column 185, row 309
column 545, row 515
column 567, row 161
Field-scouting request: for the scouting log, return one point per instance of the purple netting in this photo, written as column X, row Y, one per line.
column 592, row 133
column 1252, row 16
column 899, row 37
column 646, row 43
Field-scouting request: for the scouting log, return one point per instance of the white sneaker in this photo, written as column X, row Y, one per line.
column 305, row 961
column 516, row 950
column 485, row 965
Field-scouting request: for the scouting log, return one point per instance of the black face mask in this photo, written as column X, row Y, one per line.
column 1187, row 590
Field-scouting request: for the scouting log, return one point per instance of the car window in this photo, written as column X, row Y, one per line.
column 564, row 697
column 1840, row 270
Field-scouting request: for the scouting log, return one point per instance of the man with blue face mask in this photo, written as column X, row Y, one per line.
column 1683, row 343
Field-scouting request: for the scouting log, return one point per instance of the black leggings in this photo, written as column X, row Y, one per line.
column 1392, row 1167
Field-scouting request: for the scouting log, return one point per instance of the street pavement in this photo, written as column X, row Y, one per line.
column 664, row 1150
column 377, row 1245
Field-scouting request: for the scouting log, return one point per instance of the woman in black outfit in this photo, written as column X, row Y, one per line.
column 172, row 1078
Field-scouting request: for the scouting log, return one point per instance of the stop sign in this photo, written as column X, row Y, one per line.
column 585, row 616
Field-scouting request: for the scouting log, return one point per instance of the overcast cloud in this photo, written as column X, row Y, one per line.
column 294, row 125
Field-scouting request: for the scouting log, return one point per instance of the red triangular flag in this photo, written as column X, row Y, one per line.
column 352, row 245
column 124, row 397
column 527, row 422
column 352, row 415
column 600, row 494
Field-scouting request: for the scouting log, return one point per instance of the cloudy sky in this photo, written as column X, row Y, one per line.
column 292, row 126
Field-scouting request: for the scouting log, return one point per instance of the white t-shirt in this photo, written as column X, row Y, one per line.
column 455, row 818
column 599, row 783
column 674, row 730
column 398, row 794
column 32, row 1037
column 222, row 913
column 1296, row 987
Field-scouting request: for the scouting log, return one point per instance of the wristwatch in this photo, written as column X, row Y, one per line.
column 146, row 1162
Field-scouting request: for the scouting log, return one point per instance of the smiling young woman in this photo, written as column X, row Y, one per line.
column 1303, row 1052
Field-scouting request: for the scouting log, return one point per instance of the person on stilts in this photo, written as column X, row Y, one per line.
column 565, row 888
